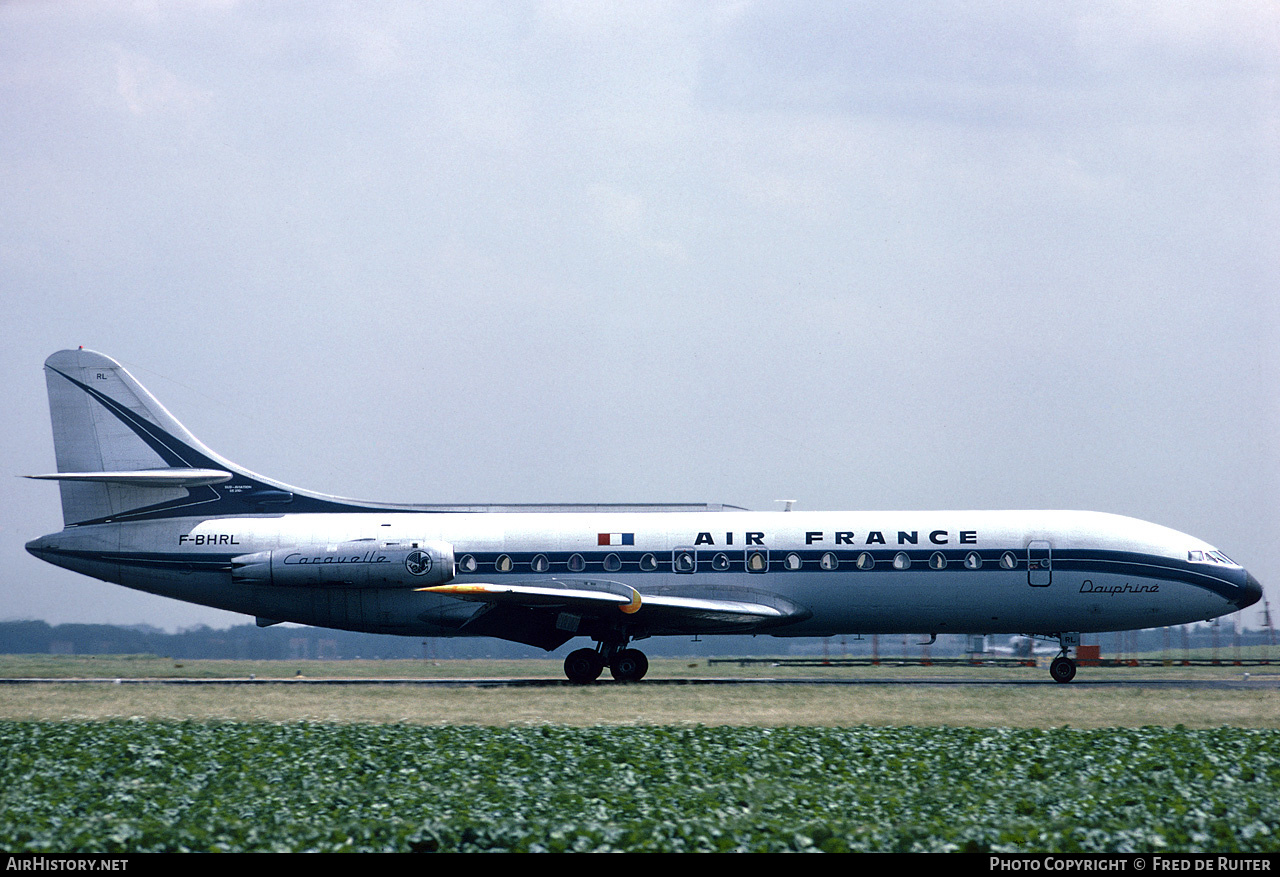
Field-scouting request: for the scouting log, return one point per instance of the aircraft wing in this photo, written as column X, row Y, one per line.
column 689, row 609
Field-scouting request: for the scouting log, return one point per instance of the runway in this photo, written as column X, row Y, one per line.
column 1245, row 682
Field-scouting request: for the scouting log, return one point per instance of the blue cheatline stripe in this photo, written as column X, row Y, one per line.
column 146, row 560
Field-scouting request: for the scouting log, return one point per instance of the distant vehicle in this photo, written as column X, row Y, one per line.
column 148, row 506
column 1021, row 647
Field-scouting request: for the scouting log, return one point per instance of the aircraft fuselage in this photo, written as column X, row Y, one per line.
column 846, row 572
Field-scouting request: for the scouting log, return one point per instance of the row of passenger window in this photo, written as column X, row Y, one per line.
column 686, row 561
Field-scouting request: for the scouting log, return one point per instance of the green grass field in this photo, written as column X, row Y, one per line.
column 137, row 786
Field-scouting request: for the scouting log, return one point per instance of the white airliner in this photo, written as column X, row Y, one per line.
column 148, row 506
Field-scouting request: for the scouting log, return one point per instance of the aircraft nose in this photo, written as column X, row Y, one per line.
column 1250, row 593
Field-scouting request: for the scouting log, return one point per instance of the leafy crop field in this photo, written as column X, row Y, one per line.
column 137, row 785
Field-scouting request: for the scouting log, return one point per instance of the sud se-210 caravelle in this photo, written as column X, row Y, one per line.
column 146, row 505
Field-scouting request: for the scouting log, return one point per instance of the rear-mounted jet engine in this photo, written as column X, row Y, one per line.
column 363, row 563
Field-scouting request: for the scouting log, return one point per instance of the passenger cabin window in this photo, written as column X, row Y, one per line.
column 866, row 561
column 720, row 562
column 1008, row 560
column 793, row 561
column 901, row 560
column 829, row 561
column 503, row 564
column 613, row 563
column 540, row 563
column 577, row 563
column 467, row 563
column 648, row 563
column 683, row 561
column 937, row 561
column 973, row 560
column 757, row 562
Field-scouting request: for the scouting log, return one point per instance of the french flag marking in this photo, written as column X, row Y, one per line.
column 616, row 539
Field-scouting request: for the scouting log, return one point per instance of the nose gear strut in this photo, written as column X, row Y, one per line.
column 1063, row 668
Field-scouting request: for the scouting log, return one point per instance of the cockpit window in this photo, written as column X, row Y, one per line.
column 1209, row 557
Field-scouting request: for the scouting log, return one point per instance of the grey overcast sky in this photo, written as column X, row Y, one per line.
column 863, row 255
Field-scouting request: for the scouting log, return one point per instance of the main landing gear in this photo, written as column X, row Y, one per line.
column 625, row 665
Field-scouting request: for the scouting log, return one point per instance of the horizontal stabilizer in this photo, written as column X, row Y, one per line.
column 145, row 477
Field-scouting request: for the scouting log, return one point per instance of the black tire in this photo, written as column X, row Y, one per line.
column 1062, row 669
column 583, row 666
column 629, row 665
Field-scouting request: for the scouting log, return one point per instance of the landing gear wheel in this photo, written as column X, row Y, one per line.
column 629, row 665
column 1062, row 669
column 583, row 666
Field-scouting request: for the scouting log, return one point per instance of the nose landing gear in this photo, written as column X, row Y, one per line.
column 1063, row 668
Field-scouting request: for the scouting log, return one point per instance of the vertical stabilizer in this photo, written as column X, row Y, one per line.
column 104, row 421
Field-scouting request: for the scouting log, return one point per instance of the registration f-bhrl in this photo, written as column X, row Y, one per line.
column 148, row 506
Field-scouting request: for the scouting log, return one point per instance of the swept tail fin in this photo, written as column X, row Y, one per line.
column 118, row 449
column 122, row 456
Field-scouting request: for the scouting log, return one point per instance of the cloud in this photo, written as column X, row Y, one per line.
column 147, row 88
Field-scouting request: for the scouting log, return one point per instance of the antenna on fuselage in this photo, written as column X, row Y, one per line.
column 786, row 504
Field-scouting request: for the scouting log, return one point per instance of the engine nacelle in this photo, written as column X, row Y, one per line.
column 364, row 563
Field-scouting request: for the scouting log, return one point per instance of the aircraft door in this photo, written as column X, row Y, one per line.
column 1039, row 564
